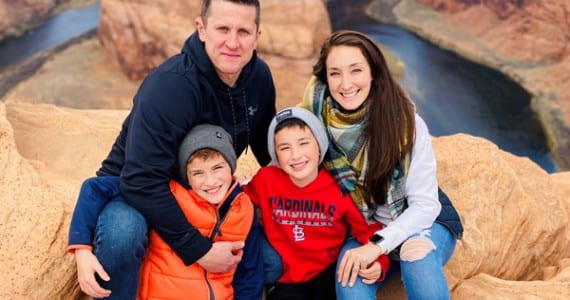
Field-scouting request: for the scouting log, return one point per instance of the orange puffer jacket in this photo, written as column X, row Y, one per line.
column 164, row 275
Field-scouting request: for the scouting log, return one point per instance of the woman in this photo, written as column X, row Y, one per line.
column 381, row 153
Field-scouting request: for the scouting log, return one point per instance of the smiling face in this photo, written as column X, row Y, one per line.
column 209, row 175
column 349, row 76
column 230, row 35
column 297, row 152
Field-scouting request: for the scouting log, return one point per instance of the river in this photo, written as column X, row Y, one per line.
column 54, row 31
column 451, row 94
column 454, row 95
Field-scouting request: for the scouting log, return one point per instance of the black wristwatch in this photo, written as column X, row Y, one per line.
column 376, row 239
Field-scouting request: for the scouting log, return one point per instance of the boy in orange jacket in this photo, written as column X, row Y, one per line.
column 215, row 204
column 304, row 215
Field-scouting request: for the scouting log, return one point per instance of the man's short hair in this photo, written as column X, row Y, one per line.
column 206, row 6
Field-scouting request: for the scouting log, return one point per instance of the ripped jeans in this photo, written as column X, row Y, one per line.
column 423, row 278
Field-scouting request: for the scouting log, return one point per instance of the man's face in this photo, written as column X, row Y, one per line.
column 230, row 35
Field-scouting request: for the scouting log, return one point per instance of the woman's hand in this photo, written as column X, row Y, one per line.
column 355, row 260
column 87, row 266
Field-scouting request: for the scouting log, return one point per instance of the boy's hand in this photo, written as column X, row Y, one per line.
column 87, row 266
column 371, row 274
column 223, row 257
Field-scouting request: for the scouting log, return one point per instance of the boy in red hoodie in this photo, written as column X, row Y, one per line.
column 305, row 216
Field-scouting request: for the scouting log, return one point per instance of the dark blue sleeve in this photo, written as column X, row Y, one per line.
column 94, row 194
column 163, row 112
column 248, row 279
column 266, row 102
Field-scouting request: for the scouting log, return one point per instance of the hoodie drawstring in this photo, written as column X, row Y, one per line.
column 244, row 97
column 234, row 118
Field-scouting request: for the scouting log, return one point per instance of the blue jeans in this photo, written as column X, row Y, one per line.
column 120, row 245
column 423, row 278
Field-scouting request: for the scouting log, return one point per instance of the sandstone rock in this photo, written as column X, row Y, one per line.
column 293, row 29
column 483, row 286
column 562, row 179
column 508, row 205
column 18, row 16
column 35, row 207
column 292, row 34
column 66, row 141
column 139, row 35
column 520, row 22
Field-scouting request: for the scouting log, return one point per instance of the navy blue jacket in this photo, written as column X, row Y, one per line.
column 183, row 92
column 448, row 216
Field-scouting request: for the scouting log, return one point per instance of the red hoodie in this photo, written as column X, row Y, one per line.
column 307, row 226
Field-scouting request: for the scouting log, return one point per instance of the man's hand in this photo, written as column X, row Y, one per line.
column 223, row 257
column 87, row 266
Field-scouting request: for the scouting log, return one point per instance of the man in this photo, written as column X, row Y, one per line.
column 217, row 78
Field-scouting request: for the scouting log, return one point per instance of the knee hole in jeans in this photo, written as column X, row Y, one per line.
column 416, row 248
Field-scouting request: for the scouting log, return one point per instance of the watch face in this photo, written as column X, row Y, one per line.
column 376, row 238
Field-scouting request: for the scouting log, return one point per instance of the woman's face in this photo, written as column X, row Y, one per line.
column 349, row 76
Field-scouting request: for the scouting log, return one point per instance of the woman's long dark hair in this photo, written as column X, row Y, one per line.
column 390, row 122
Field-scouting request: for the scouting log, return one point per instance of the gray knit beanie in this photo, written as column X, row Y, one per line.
column 304, row 115
column 206, row 136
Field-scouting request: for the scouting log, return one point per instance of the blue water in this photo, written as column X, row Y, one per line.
column 454, row 95
column 451, row 94
column 54, row 31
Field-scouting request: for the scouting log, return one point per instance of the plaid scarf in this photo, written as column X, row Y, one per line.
column 346, row 156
